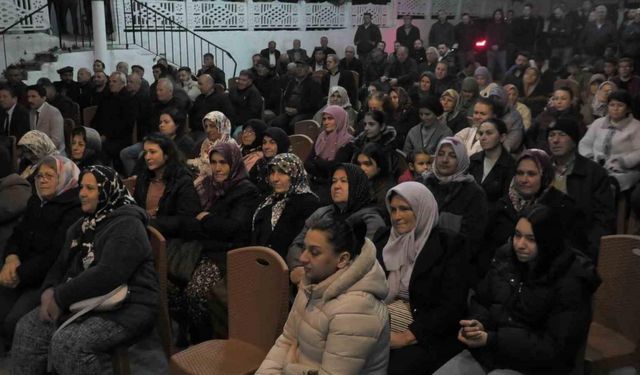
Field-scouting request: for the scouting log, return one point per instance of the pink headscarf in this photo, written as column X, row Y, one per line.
column 328, row 144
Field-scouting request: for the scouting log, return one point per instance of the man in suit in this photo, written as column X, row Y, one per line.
column 271, row 54
column 67, row 107
column 350, row 61
column 14, row 117
column 339, row 77
column 297, row 53
column 14, row 76
column 45, row 117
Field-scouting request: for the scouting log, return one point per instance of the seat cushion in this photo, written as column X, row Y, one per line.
column 220, row 357
column 605, row 343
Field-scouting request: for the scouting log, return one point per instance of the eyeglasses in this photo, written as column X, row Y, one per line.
column 249, row 131
column 45, row 176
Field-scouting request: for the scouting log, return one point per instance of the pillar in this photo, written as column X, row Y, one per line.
column 99, row 32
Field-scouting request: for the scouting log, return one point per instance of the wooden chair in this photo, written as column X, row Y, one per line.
column 120, row 357
column 231, row 82
column 130, row 184
column 93, row 139
column 258, row 289
column 402, row 162
column 88, row 114
column 310, row 128
column 301, row 145
column 68, row 125
column 219, row 88
column 614, row 335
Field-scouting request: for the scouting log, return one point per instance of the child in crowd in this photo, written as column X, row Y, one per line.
column 419, row 162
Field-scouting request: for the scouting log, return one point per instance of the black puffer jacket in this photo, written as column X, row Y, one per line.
column 178, row 202
column 39, row 237
column 536, row 318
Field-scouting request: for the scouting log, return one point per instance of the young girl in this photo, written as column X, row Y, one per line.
column 419, row 163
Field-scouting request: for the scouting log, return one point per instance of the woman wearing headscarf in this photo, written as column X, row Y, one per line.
column 428, row 282
column 334, row 136
column 373, row 161
column 38, row 238
column 483, row 77
column 84, row 150
column 429, row 65
column 513, row 93
column 461, row 201
column 531, row 312
column 469, row 92
column 451, row 116
column 596, row 106
column 35, row 145
column 532, row 184
column 229, row 200
column 280, row 217
column 533, row 94
column 218, row 129
column 424, row 87
column 107, row 248
column 351, row 199
column 274, row 141
column 400, row 113
column 251, row 142
column 338, row 96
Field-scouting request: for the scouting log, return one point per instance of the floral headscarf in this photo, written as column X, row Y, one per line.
column 213, row 190
column 344, row 96
column 545, row 167
column 224, row 127
column 67, row 170
column 113, row 195
column 328, row 144
column 460, row 175
column 38, row 143
column 291, row 165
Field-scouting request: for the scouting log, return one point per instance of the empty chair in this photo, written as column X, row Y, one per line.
column 615, row 329
column 258, row 287
column 310, row 128
column 301, row 145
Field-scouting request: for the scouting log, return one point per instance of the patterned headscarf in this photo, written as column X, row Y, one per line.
column 402, row 250
column 453, row 94
column 291, row 165
column 67, row 170
column 328, row 144
column 113, row 195
column 545, row 168
column 344, row 96
column 38, row 143
column 460, row 175
column 224, row 127
column 213, row 190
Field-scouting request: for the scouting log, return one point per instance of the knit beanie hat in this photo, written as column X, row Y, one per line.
column 568, row 126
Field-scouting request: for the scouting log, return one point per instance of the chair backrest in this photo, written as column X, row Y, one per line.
column 231, row 82
column 9, row 143
column 219, row 88
column 403, row 165
column 616, row 301
column 159, row 248
column 93, row 139
column 258, row 289
column 310, row 128
column 68, row 125
column 356, row 78
column 88, row 114
column 130, row 184
column 301, row 145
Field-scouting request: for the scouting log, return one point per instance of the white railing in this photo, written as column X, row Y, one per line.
column 12, row 10
column 211, row 15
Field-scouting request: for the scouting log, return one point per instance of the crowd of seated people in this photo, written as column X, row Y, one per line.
column 434, row 185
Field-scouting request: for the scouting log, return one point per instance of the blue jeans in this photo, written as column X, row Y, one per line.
column 129, row 156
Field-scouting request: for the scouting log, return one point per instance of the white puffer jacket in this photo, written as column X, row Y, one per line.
column 339, row 326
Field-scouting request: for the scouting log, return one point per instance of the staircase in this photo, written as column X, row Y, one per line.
column 37, row 47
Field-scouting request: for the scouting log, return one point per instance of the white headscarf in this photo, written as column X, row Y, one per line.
column 402, row 250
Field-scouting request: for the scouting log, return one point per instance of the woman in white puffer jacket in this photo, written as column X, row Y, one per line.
column 339, row 323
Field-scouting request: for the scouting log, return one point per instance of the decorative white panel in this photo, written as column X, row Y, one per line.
column 324, row 15
column 216, row 15
column 149, row 20
column 380, row 14
column 412, row 7
column 12, row 10
column 275, row 15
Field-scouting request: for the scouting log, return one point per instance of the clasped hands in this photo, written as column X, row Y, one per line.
column 9, row 273
column 49, row 309
column 472, row 334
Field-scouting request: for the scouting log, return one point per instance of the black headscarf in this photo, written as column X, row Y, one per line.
column 360, row 194
column 259, row 127
column 281, row 138
column 113, row 195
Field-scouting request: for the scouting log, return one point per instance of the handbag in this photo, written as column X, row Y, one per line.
column 182, row 259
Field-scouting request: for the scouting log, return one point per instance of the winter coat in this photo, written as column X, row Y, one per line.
column 536, row 323
column 497, row 35
column 338, row 326
column 589, row 185
column 367, row 38
column 630, row 40
column 560, row 32
column 296, row 211
column 122, row 256
column 441, row 32
column 178, row 201
column 416, row 139
column 228, row 224
column 496, row 184
column 438, row 290
column 14, row 195
column 595, row 40
column 246, row 103
column 38, row 238
column 115, row 117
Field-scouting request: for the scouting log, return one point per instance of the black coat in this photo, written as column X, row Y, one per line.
column 115, row 117
column 407, row 39
column 536, row 322
column 179, row 201
column 291, row 221
column 265, row 53
column 39, row 237
column 311, row 97
column 228, row 225
column 19, row 124
column 496, row 185
column 346, row 81
column 588, row 184
column 216, row 73
column 462, row 207
column 438, row 291
column 247, row 104
column 354, row 65
column 458, row 123
column 207, row 103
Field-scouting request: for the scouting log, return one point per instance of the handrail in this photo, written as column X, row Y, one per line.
column 173, row 28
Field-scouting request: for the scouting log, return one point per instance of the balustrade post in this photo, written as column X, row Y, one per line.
column 188, row 13
column 249, row 15
column 302, row 14
column 347, row 14
column 459, row 10
column 392, row 13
